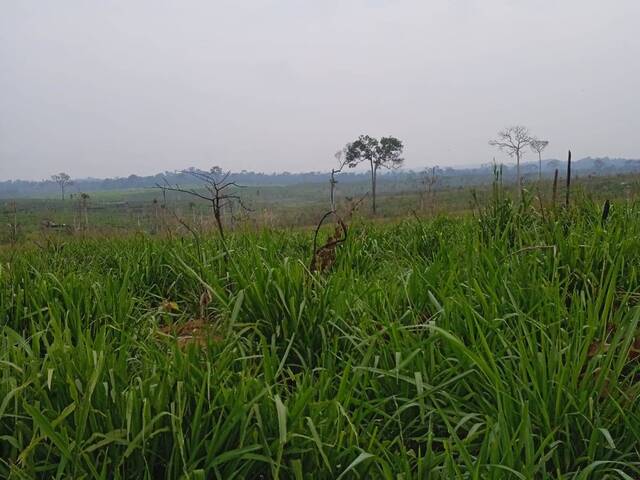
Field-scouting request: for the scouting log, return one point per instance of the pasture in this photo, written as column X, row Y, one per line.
column 502, row 343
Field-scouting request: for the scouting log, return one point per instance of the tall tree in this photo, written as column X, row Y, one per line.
column 383, row 153
column 538, row 145
column 513, row 140
column 62, row 179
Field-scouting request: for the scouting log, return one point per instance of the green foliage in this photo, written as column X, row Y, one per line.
column 494, row 346
column 383, row 153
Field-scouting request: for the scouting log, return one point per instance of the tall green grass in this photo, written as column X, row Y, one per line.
column 487, row 347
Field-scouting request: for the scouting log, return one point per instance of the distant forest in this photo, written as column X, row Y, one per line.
column 394, row 179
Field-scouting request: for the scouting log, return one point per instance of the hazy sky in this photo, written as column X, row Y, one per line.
column 105, row 88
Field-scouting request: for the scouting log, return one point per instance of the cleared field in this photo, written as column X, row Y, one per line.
column 503, row 344
column 122, row 212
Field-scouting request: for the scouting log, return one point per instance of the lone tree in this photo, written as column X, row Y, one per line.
column 428, row 179
column 383, row 153
column 538, row 145
column 62, row 179
column 219, row 191
column 513, row 141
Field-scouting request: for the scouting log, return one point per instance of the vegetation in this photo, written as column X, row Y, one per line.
column 502, row 344
column 538, row 146
column 126, row 212
column 63, row 180
column 514, row 141
column 383, row 153
column 219, row 194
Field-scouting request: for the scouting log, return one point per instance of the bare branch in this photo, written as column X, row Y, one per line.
column 538, row 145
column 513, row 141
column 183, row 190
column 220, row 196
column 62, row 179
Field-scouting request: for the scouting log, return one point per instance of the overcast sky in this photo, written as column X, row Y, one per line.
column 105, row 88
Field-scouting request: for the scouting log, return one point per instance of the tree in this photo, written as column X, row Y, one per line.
column 428, row 179
column 219, row 192
column 383, row 153
column 513, row 141
column 538, row 146
column 62, row 179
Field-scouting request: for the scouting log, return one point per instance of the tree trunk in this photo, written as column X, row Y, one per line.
column 518, row 179
column 374, row 171
column 539, row 167
column 217, row 215
column 333, row 189
column 219, row 224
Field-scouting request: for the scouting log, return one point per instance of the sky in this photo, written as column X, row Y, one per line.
column 112, row 88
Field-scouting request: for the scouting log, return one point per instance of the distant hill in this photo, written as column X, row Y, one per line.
column 393, row 180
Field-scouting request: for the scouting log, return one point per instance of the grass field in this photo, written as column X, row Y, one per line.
column 120, row 212
column 503, row 344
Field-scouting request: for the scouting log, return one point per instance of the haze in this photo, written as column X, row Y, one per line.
column 111, row 88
